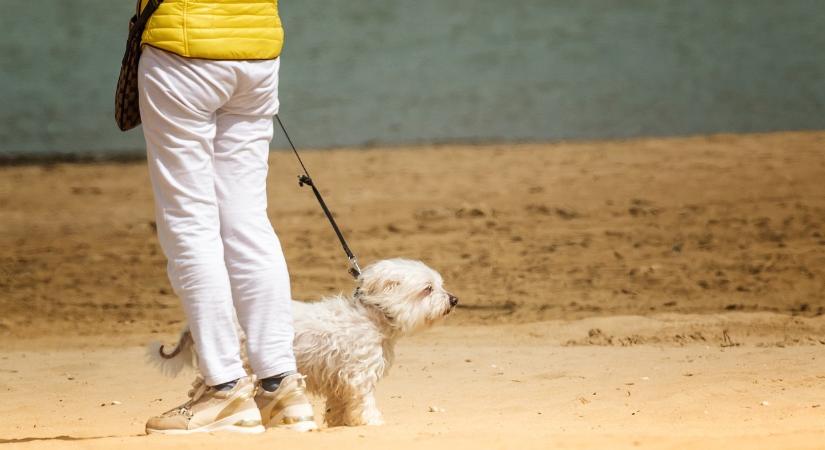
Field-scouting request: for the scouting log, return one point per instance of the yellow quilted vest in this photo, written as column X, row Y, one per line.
column 217, row 29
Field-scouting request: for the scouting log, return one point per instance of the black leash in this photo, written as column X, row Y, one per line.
column 305, row 179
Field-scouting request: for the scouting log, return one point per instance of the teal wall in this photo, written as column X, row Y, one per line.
column 362, row 72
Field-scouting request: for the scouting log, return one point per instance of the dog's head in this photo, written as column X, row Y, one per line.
column 410, row 294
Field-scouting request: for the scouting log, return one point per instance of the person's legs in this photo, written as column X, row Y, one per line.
column 178, row 100
column 257, row 268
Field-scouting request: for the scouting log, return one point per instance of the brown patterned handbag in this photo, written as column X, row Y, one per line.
column 127, row 109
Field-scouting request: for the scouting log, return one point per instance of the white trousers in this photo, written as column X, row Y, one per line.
column 208, row 125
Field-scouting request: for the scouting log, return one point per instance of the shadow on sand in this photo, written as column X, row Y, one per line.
column 60, row 438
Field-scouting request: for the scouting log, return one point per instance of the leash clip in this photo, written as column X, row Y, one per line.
column 354, row 268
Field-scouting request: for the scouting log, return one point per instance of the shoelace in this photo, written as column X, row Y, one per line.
column 199, row 388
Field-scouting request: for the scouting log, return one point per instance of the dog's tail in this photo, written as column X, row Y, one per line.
column 171, row 364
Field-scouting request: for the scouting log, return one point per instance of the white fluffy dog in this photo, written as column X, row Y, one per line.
column 344, row 345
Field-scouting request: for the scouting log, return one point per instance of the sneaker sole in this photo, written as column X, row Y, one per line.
column 301, row 424
column 231, row 424
column 301, row 427
column 297, row 417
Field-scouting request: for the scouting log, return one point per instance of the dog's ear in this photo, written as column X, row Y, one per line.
column 372, row 286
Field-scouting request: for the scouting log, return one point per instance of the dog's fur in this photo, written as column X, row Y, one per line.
column 344, row 345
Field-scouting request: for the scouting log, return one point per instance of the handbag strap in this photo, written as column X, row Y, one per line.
column 141, row 17
column 136, row 26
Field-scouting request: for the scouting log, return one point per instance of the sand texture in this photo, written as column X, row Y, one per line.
column 654, row 293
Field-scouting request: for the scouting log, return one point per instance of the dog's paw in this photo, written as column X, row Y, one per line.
column 374, row 422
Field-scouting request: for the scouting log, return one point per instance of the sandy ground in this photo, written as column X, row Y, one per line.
column 503, row 386
column 656, row 293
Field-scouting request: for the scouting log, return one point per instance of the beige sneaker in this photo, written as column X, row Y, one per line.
column 287, row 406
column 209, row 409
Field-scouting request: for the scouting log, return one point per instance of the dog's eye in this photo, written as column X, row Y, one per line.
column 428, row 290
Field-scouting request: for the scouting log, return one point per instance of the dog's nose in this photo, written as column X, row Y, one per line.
column 453, row 300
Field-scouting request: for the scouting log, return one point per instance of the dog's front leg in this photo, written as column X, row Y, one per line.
column 355, row 411
column 336, row 412
column 369, row 413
